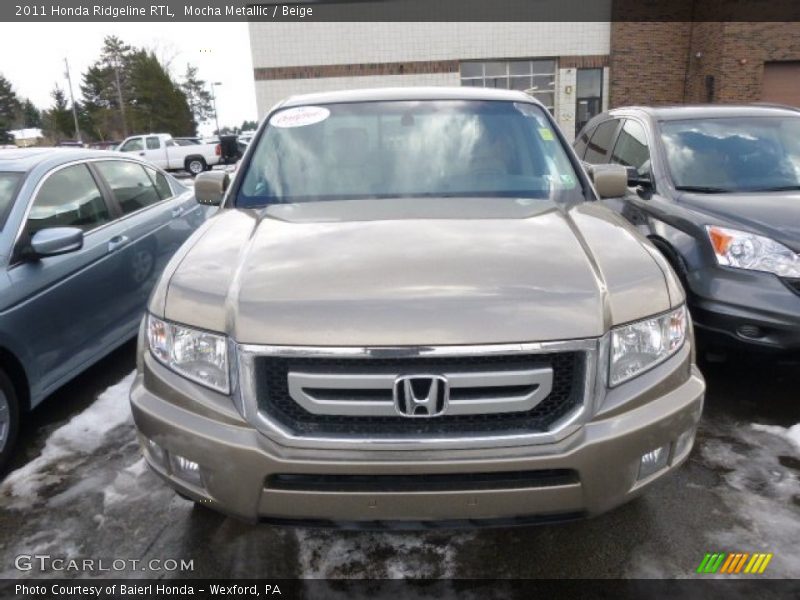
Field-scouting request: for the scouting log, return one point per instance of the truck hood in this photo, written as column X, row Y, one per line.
column 775, row 214
column 400, row 272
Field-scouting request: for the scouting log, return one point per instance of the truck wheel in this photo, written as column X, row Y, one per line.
column 9, row 419
column 195, row 165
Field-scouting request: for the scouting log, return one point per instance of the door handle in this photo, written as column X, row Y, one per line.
column 117, row 242
column 141, row 153
column 177, row 212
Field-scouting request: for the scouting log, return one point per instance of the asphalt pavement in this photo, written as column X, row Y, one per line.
column 79, row 488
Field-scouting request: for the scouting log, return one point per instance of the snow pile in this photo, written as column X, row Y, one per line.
column 68, row 447
column 378, row 555
column 761, row 487
column 790, row 433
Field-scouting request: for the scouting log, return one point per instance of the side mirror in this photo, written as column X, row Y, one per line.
column 209, row 187
column 56, row 240
column 610, row 181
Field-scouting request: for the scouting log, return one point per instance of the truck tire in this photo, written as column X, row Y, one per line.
column 195, row 165
column 9, row 419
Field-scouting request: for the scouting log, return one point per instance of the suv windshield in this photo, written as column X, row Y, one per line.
column 8, row 186
column 746, row 154
column 408, row 149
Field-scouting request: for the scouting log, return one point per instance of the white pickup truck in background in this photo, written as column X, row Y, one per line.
column 165, row 152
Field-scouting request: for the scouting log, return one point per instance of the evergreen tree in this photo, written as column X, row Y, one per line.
column 58, row 122
column 31, row 116
column 158, row 104
column 9, row 110
column 197, row 95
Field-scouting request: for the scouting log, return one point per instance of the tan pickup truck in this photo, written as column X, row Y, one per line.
column 411, row 309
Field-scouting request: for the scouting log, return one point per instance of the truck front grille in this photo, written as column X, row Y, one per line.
column 500, row 376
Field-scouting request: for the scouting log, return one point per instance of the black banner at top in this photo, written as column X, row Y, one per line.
column 398, row 10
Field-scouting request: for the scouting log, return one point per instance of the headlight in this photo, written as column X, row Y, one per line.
column 642, row 345
column 754, row 252
column 197, row 355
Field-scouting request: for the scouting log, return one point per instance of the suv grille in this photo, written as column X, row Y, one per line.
column 274, row 399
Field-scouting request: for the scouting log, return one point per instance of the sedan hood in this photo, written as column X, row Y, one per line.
column 390, row 273
column 774, row 214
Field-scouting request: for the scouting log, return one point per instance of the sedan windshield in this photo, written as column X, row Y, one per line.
column 753, row 154
column 8, row 186
column 408, row 149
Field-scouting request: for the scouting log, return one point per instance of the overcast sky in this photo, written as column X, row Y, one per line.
column 32, row 58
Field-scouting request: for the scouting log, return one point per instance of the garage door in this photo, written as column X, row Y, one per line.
column 781, row 83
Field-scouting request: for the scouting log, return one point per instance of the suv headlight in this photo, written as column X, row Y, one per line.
column 197, row 355
column 639, row 346
column 745, row 250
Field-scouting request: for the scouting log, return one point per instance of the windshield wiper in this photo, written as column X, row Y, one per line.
column 779, row 188
column 702, row 189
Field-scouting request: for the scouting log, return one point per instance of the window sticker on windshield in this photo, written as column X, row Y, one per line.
column 300, row 116
column 567, row 179
column 546, row 134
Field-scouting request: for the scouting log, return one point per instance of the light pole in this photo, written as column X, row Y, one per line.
column 214, row 102
column 72, row 98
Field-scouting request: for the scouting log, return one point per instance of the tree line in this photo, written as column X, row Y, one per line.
column 126, row 90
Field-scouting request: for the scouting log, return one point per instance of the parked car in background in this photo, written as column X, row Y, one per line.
column 83, row 236
column 717, row 190
column 411, row 307
column 164, row 152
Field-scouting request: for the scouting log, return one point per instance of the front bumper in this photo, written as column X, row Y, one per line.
column 244, row 473
column 745, row 308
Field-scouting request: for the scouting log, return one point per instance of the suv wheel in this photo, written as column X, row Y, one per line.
column 9, row 419
column 195, row 166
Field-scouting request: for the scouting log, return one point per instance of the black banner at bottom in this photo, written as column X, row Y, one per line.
column 395, row 589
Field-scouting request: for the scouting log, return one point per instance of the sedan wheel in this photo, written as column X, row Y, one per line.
column 143, row 262
column 5, row 420
column 9, row 420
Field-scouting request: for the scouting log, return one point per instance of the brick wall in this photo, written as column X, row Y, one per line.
column 671, row 62
column 648, row 62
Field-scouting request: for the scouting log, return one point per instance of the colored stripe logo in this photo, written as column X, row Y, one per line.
column 734, row 563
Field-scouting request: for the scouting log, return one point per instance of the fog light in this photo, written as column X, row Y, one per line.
column 185, row 469
column 156, row 454
column 684, row 443
column 653, row 461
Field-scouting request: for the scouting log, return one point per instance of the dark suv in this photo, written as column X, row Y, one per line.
column 717, row 190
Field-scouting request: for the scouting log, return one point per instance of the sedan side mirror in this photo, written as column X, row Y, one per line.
column 56, row 240
column 209, row 187
column 610, row 181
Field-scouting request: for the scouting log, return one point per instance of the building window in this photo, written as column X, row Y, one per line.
column 536, row 77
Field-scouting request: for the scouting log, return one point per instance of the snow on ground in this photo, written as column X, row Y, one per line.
column 378, row 555
column 68, row 447
column 760, row 468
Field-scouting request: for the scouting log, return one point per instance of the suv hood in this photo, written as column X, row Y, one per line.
column 774, row 214
column 390, row 273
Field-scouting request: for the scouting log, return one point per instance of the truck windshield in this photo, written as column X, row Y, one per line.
column 756, row 154
column 8, row 187
column 372, row 150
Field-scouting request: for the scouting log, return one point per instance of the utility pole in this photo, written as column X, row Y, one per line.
column 119, row 100
column 72, row 98
column 214, row 102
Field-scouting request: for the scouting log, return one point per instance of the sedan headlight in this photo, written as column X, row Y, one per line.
column 745, row 250
column 197, row 355
column 639, row 346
